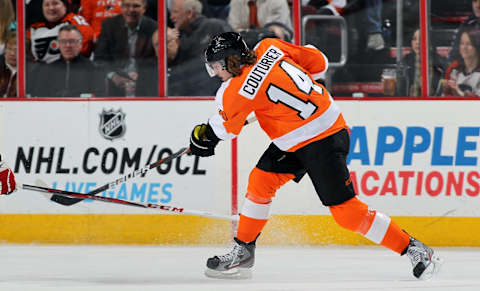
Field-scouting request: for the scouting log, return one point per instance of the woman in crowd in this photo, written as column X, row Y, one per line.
column 463, row 76
column 7, row 17
column 8, row 67
column 43, row 34
column 412, row 62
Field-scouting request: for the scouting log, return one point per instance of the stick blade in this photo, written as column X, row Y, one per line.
column 66, row 201
column 57, row 198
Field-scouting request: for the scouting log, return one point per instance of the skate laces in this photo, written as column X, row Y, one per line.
column 237, row 251
column 418, row 253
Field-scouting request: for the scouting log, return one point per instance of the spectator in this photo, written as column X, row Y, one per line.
column 73, row 75
column 7, row 17
column 472, row 22
column 95, row 11
column 412, row 62
column 191, row 35
column 43, row 34
column 216, row 8
column 124, row 41
column 8, row 67
column 254, row 14
column 280, row 30
column 373, row 12
column 463, row 75
column 33, row 10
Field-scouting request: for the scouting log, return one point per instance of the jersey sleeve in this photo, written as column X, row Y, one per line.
column 228, row 129
column 216, row 122
column 308, row 57
column 233, row 111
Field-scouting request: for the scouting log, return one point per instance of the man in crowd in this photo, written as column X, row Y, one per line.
column 186, row 43
column 124, row 41
column 73, row 75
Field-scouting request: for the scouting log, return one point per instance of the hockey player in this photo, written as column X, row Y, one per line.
column 309, row 135
column 7, row 179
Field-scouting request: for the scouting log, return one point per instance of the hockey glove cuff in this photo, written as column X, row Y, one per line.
column 203, row 141
column 7, row 179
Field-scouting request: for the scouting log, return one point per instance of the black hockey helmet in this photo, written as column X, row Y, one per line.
column 224, row 45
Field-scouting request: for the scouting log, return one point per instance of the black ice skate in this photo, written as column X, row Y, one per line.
column 237, row 264
column 425, row 263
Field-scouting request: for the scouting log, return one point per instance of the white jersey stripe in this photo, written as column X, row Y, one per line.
column 9, row 188
column 379, row 228
column 310, row 129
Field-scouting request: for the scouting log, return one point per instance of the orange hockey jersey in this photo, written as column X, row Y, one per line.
column 95, row 11
column 280, row 89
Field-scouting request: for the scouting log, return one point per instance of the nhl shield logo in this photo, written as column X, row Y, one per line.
column 112, row 124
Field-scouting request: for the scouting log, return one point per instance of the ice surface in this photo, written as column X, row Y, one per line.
column 118, row 268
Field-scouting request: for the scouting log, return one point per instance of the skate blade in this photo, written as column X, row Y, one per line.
column 433, row 268
column 233, row 274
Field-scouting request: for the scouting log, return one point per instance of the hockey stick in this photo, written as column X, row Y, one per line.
column 67, row 201
column 161, row 207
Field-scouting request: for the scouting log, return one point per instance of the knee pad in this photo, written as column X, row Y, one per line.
column 263, row 185
column 353, row 215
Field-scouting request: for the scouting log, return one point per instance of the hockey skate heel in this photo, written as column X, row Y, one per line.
column 237, row 264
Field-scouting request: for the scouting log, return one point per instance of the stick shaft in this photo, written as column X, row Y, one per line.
column 160, row 207
column 67, row 201
column 140, row 171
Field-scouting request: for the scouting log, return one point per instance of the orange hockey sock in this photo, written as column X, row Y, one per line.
column 377, row 227
column 249, row 228
column 395, row 239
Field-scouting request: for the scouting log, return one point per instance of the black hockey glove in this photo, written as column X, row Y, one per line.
column 203, row 141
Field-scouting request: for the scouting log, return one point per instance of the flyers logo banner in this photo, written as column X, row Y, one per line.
column 112, row 124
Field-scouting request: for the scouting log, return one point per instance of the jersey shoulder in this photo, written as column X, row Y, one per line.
column 76, row 19
column 264, row 44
